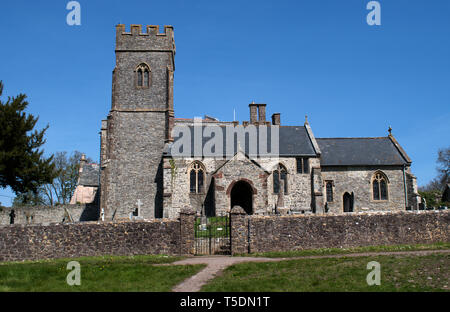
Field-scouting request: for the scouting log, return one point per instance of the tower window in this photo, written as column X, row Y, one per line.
column 302, row 165
column 196, row 178
column 143, row 77
column 139, row 78
column 379, row 186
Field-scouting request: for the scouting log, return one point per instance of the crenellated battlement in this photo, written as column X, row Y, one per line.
column 150, row 30
column 150, row 39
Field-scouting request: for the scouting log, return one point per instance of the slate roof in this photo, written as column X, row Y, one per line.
column 89, row 175
column 293, row 141
column 360, row 151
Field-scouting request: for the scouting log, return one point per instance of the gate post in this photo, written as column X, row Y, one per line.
column 239, row 230
column 187, row 239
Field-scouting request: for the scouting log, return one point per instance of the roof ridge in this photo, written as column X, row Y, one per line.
column 350, row 138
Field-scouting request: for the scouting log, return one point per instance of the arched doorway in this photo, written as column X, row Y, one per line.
column 242, row 195
column 348, row 202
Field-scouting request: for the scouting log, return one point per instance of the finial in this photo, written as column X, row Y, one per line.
column 390, row 130
column 253, row 102
column 306, row 119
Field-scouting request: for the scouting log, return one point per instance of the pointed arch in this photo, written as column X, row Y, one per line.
column 280, row 174
column 348, row 201
column 143, row 76
column 379, row 183
column 197, row 177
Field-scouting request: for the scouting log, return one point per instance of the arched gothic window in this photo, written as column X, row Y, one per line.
column 196, row 178
column 280, row 174
column 329, row 191
column 143, row 77
column 380, row 186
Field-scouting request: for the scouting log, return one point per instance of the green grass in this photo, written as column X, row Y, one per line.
column 398, row 273
column 336, row 251
column 98, row 274
column 216, row 227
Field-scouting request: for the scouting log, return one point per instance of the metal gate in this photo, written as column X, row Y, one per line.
column 212, row 235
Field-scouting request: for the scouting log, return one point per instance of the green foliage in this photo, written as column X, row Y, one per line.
column 29, row 199
column 67, row 168
column 398, row 273
column 340, row 251
column 61, row 188
column 216, row 227
column 433, row 198
column 108, row 273
column 22, row 165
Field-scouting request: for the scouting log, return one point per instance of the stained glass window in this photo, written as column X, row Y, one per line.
column 376, row 190
column 278, row 175
column 329, row 187
column 276, row 182
column 197, row 177
column 380, row 188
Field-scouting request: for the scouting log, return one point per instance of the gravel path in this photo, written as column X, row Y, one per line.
column 216, row 264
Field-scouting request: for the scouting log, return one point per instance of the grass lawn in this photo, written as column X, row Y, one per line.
column 109, row 273
column 216, row 227
column 336, row 251
column 398, row 273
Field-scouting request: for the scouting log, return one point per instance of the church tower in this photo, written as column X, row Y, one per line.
column 139, row 123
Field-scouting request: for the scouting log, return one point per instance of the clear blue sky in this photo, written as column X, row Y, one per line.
column 312, row 57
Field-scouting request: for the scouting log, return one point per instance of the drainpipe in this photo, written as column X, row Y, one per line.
column 404, row 187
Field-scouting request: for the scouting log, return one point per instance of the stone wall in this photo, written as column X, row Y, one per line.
column 32, row 242
column 248, row 234
column 50, row 214
column 357, row 181
column 284, row 233
column 228, row 172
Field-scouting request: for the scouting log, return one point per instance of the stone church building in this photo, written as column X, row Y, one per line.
column 142, row 176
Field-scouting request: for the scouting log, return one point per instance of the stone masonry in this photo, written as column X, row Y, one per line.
column 271, row 233
column 140, row 170
column 138, row 124
column 49, row 214
column 248, row 234
column 33, row 242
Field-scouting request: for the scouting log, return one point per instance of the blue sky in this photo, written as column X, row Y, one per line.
column 312, row 57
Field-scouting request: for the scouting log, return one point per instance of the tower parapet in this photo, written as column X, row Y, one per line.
column 151, row 40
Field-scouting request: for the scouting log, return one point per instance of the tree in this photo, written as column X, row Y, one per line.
column 30, row 199
column 443, row 166
column 432, row 192
column 61, row 189
column 22, row 165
